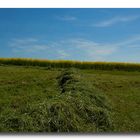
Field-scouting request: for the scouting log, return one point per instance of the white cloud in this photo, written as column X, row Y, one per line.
column 74, row 49
column 133, row 41
column 116, row 20
column 91, row 46
column 62, row 54
column 28, row 45
column 95, row 51
column 85, row 49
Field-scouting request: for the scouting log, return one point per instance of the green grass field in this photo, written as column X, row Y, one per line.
column 45, row 99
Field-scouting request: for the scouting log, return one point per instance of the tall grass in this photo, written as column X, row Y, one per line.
column 69, row 63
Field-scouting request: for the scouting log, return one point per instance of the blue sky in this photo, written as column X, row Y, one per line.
column 72, row 34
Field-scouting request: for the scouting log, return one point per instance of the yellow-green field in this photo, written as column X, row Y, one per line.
column 69, row 63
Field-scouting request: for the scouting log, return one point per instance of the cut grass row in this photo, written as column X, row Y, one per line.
column 91, row 108
column 69, row 63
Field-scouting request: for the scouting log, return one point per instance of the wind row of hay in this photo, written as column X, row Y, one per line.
column 69, row 63
column 90, row 107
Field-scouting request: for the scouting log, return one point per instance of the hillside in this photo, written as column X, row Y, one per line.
column 56, row 99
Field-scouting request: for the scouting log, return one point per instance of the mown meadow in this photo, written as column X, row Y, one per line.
column 69, row 96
